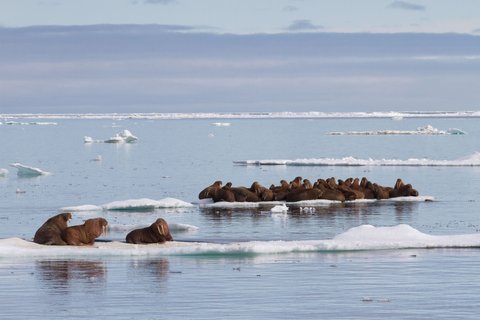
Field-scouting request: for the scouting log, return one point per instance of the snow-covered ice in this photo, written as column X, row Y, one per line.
column 364, row 237
column 468, row 161
column 23, row 170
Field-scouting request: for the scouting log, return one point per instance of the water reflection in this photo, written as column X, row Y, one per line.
column 62, row 275
column 158, row 268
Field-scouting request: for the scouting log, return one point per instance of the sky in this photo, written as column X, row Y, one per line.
column 229, row 56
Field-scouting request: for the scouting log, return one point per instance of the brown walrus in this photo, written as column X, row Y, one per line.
column 157, row 232
column 403, row 190
column 50, row 232
column 85, row 234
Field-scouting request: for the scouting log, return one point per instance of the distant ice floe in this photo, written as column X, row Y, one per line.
column 249, row 115
column 26, row 171
column 472, row 160
column 361, row 238
column 221, row 124
column 143, row 204
column 426, row 130
column 3, row 172
column 15, row 123
column 122, row 137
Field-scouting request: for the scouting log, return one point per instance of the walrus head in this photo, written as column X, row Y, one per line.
column 209, row 191
column 161, row 226
column 96, row 227
column 67, row 216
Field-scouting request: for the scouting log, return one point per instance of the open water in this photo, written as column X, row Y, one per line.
column 178, row 158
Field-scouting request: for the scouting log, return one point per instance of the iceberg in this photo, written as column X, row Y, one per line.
column 123, row 137
column 27, row 171
column 361, row 238
column 3, row 172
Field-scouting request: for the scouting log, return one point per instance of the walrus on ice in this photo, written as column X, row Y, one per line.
column 85, row 234
column 50, row 232
column 157, row 232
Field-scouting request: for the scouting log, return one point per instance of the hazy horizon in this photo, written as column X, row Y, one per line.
column 167, row 68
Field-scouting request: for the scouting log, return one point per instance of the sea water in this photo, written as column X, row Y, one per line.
column 242, row 262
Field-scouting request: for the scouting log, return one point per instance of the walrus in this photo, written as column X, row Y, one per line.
column 241, row 194
column 217, row 193
column 85, row 234
column 50, row 232
column 403, row 190
column 209, row 191
column 157, row 232
column 301, row 194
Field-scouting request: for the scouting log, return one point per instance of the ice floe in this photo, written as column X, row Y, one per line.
column 221, row 124
column 426, row 130
column 27, row 171
column 468, row 161
column 364, row 237
column 122, row 137
column 143, row 204
column 16, row 123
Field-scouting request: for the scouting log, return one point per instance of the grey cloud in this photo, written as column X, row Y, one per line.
column 476, row 30
column 404, row 5
column 290, row 9
column 161, row 2
column 303, row 25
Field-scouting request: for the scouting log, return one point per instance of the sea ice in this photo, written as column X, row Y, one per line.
column 24, row 170
column 122, row 137
column 3, row 172
column 279, row 208
column 364, row 237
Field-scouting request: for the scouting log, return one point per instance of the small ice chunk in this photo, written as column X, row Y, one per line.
column 127, row 136
column 97, row 158
column 87, row 139
column 279, row 208
column 3, row 172
column 24, row 170
column 221, row 124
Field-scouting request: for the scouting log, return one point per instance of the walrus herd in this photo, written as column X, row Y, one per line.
column 55, row 231
column 302, row 189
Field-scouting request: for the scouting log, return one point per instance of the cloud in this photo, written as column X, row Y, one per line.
column 476, row 30
column 303, row 25
column 290, row 9
column 162, row 2
column 404, row 5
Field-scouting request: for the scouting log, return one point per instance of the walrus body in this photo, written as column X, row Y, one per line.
column 157, row 232
column 86, row 233
column 50, row 232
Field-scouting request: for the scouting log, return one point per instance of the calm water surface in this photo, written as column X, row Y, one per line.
column 177, row 159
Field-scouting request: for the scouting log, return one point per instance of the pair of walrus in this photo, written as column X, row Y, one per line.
column 55, row 231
